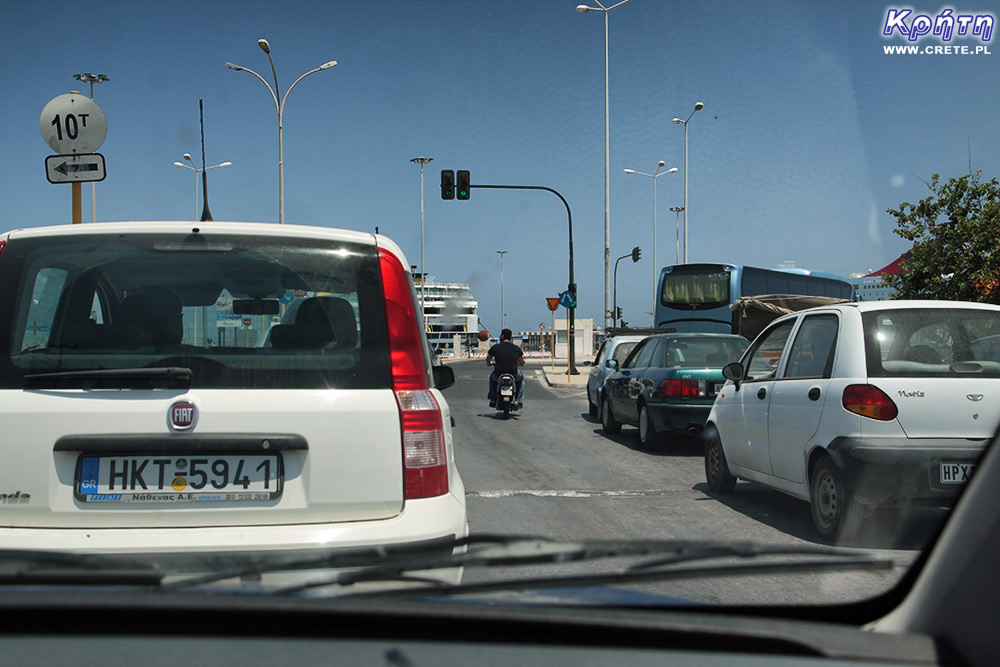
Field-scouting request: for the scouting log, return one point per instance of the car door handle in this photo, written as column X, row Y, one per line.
column 761, row 393
column 814, row 394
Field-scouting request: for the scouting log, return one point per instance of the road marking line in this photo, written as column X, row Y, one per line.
column 553, row 493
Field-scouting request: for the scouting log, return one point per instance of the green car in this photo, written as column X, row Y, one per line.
column 668, row 384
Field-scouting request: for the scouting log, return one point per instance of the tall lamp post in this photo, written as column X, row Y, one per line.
column 280, row 107
column 422, row 161
column 87, row 77
column 698, row 106
column 678, row 210
column 501, row 253
column 655, row 175
column 199, row 170
column 583, row 9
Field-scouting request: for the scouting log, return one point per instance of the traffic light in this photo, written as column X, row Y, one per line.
column 463, row 184
column 636, row 254
column 618, row 313
column 448, row 184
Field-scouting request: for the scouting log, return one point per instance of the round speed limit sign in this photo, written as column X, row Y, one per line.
column 73, row 123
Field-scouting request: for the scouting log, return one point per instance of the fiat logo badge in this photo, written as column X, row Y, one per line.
column 182, row 415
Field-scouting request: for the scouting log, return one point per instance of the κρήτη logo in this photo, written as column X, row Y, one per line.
column 946, row 25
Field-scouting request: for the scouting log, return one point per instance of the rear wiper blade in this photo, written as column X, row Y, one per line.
column 171, row 377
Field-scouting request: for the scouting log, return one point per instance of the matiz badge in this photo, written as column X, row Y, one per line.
column 182, row 415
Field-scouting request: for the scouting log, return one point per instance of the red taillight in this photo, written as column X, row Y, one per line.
column 3, row 244
column 425, row 457
column 869, row 401
column 681, row 388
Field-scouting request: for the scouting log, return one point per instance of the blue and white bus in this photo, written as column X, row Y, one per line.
column 696, row 297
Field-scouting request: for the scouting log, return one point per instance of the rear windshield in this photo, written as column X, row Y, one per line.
column 932, row 342
column 708, row 352
column 241, row 312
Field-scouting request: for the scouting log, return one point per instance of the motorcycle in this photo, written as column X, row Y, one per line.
column 507, row 394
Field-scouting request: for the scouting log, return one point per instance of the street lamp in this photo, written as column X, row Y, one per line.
column 583, row 9
column 501, row 253
column 655, row 175
column 87, row 77
column 280, row 107
column 422, row 161
column 698, row 106
column 196, row 169
column 677, row 210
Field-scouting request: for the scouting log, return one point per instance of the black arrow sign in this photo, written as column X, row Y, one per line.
column 66, row 167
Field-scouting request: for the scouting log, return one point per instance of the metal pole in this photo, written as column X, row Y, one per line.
column 422, row 161
column 607, row 177
column 502, row 313
column 686, row 190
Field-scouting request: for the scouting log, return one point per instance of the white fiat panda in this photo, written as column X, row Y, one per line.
column 154, row 400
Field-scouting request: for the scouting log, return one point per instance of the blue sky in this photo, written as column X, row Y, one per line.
column 809, row 131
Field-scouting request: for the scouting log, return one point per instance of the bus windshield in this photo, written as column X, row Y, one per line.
column 696, row 288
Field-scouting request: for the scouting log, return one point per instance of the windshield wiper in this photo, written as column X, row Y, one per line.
column 660, row 561
column 29, row 567
column 171, row 377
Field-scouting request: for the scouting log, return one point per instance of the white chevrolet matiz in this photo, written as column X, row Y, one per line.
column 155, row 400
column 860, row 405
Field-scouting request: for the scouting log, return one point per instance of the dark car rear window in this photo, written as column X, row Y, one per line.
column 242, row 312
column 932, row 342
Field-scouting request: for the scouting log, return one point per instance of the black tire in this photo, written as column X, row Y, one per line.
column 591, row 406
column 506, row 409
column 835, row 513
column 720, row 480
column 649, row 437
column 608, row 421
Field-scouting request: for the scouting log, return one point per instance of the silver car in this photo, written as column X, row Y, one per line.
column 616, row 348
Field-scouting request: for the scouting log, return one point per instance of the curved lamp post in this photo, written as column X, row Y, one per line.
column 655, row 175
column 698, row 106
column 196, row 169
column 583, row 9
column 280, row 107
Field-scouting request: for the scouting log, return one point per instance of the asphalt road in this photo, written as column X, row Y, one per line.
column 550, row 470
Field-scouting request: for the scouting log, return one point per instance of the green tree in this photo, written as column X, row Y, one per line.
column 956, row 242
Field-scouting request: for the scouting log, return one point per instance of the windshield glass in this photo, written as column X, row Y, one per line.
column 393, row 198
column 696, row 288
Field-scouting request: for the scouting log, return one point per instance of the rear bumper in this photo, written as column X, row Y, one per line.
column 421, row 520
column 880, row 471
column 667, row 417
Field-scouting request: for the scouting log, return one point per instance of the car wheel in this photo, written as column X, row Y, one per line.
column 649, row 437
column 717, row 472
column 835, row 513
column 608, row 421
column 591, row 406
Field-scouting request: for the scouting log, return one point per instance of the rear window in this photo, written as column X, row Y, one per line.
column 932, row 342
column 242, row 312
column 708, row 352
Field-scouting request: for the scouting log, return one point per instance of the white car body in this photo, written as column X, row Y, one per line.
column 775, row 425
column 341, row 449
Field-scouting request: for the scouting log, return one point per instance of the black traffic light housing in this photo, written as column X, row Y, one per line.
column 463, row 184
column 448, row 184
column 636, row 254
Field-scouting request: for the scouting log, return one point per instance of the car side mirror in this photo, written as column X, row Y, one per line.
column 734, row 372
column 444, row 376
column 612, row 364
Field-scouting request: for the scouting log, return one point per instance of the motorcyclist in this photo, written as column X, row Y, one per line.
column 505, row 357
